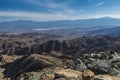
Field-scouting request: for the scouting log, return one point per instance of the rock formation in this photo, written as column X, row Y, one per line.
column 30, row 63
column 25, row 57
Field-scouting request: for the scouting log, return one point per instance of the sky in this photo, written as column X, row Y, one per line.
column 52, row 10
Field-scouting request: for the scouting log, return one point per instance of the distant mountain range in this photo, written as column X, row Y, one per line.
column 105, row 22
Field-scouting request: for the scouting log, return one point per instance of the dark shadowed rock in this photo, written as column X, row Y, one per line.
column 99, row 66
column 30, row 63
column 79, row 65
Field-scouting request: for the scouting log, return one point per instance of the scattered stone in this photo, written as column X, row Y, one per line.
column 114, row 71
column 105, row 77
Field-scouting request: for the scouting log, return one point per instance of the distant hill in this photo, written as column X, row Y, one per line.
column 106, row 31
column 85, row 23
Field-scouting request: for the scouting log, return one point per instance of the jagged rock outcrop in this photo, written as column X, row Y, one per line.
column 30, row 63
column 6, row 59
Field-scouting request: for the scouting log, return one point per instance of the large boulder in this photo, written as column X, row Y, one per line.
column 79, row 65
column 115, row 66
column 99, row 66
column 68, row 74
column 88, row 75
column 115, row 63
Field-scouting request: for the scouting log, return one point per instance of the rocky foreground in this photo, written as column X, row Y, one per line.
column 35, row 58
column 46, row 67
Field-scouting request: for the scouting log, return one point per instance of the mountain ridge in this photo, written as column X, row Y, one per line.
column 83, row 23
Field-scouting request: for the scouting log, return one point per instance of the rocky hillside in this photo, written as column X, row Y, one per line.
column 70, row 47
column 46, row 67
column 37, row 57
column 22, row 44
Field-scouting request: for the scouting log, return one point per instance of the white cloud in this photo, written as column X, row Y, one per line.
column 66, row 15
column 36, row 16
column 100, row 3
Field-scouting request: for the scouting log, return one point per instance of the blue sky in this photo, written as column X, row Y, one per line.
column 49, row 10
